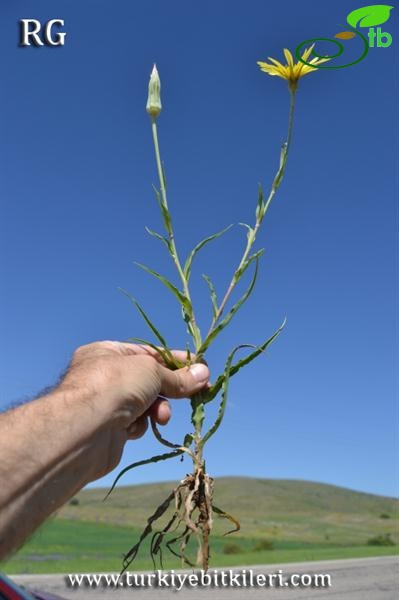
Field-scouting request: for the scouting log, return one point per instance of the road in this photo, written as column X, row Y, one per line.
column 352, row 579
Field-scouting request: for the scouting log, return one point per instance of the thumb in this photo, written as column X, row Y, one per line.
column 184, row 382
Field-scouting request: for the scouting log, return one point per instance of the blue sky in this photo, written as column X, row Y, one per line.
column 75, row 183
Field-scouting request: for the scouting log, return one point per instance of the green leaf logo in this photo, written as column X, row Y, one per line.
column 368, row 16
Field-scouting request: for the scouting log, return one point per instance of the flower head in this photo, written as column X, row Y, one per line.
column 154, row 105
column 292, row 72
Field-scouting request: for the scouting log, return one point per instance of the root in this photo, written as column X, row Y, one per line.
column 193, row 515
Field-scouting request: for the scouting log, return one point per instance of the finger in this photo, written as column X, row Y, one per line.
column 160, row 411
column 138, row 428
column 184, row 382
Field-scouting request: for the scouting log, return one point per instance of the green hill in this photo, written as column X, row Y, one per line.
column 279, row 509
column 281, row 521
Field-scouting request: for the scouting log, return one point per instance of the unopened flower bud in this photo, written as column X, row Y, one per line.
column 154, row 105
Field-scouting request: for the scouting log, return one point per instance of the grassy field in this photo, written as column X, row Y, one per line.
column 64, row 546
column 302, row 521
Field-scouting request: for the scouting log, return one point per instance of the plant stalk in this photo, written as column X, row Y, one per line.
column 195, row 330
column 252, row 236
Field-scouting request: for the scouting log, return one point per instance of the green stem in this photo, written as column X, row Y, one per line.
column 291, row 118
column 197, row 418
column 195, row 330
column 280, row 173
column 252, row 237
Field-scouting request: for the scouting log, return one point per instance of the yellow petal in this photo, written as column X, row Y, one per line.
column 267, row 66
column 298, row 70
column 288, row 57
column 279, row 75
column 278, row 64
column 306, row 69
column 323, row 60
column 270, row 71
column 307, row 53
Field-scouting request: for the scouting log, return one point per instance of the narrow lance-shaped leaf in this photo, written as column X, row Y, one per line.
column 188, row 263
column 160, row 237
column 225, row 385
column 212, row 291
column 281, row 168
column 261, row 204
column 159, row 437
column 185, row 302
column 232, row 311
column 170, row 361
column 158, row 196
column 164, row 175
column 140, row 463
column 146, row 318
column 250, row 230
column 240, row 272
column 164, row 211
column 184, row 447
column 214, row 390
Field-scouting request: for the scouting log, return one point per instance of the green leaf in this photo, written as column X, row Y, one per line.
column 225, row 385
column 198, row 412
column 240, row 272
column 283, row 154
column 280, row 172
column 157, row 194
column 179, row 295
column 192, row 328
column 160, row 237
column 147, row 461
column 234, row 309
column 163, row 175
column 260, row 208
column 166, row 218
column 146, row 318
column 250, row 230
column 188, row 438
column 211, row 393
column 213, row 295
column 164, row 210
column 188, row 359
column 159, row 437
column 369, row 16
column 188, row 263
column 170, row 361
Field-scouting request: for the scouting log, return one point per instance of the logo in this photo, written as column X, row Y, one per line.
column 365, row 17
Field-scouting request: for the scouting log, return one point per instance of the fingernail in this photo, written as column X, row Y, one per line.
column 199, row 372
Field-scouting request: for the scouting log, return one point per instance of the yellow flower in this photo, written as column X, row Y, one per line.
column 292, row 72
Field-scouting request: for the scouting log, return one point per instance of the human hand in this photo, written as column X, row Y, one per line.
column 126, row 383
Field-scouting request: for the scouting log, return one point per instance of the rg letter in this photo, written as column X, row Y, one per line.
column 30, row 30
